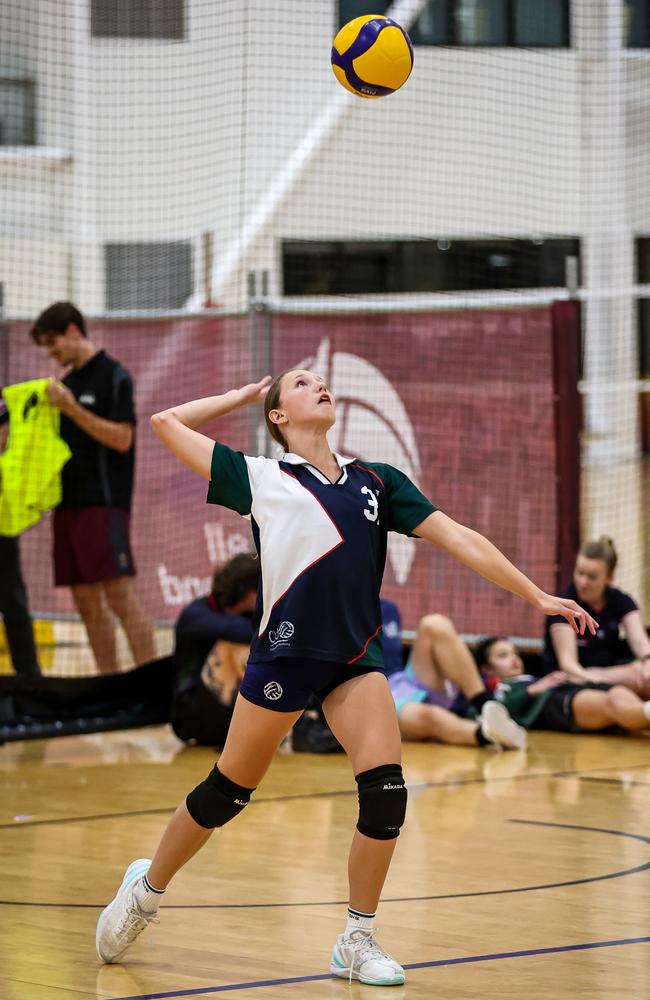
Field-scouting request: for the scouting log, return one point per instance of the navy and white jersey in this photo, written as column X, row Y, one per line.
column 322, row 549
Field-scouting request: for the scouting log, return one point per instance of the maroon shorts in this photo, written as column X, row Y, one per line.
column 91, row 544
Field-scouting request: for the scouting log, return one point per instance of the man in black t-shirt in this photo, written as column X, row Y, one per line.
column 92, row 552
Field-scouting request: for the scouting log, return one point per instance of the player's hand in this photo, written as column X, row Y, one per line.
column 550, row 681
column 255, row 391
column 59, row 395
column 576, row 616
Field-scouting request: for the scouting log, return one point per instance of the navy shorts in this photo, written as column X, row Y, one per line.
column 287, row 684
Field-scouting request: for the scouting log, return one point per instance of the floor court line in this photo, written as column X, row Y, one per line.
column 436, row 964
column 401, row 899
column 620, row 782
column 637, row 870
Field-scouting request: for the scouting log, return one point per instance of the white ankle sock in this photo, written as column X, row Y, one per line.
column 646, row 710
column 146, row 896
column 358, row 921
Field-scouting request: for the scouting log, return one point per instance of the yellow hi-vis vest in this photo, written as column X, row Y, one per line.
column 30, row 466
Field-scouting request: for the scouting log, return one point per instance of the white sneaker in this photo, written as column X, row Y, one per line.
column 498, row 727
column 358, row 956
column 122, row 920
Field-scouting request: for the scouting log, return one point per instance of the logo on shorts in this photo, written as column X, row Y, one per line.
column 273, row 690
column 281, row 635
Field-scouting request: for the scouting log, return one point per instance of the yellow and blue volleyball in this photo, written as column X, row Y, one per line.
column 372, row 56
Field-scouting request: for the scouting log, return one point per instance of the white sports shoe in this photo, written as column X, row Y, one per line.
column 358, row 956
column 122, row 920
column 498, row 727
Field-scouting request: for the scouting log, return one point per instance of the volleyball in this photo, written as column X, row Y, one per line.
column 372, row 56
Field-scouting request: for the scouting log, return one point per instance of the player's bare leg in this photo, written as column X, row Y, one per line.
column 97, row 617
column 253, row 737
column 438, row 654
column 595, row 710
column 634, row 676
column 123, row 602
column 432, row 722
column 369, row 744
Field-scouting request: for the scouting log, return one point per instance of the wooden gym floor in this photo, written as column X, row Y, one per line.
column 517, row 874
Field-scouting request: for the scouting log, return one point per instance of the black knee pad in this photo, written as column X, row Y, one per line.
column 382, row 802
column 216, row 800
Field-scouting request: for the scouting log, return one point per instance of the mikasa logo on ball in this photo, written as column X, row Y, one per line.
column 273, row 690
column 280, row 636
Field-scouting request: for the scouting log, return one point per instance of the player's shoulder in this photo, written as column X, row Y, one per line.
column 255, row 468
column 386, row 474
column 110, row 365
column 197, row 607
column 620, row 600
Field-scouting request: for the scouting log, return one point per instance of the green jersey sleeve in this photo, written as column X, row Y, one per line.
column 522, row 706
column 230, row 483
column 407, row 506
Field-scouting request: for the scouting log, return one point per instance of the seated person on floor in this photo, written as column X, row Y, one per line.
column 554, row 701
column 439, row 684
column 603, row 656
column 213, row 635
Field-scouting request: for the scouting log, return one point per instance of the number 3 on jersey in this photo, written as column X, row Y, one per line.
column 373, row 503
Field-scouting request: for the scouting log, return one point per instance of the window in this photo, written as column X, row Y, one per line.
column 148, row 275
column 157, row 19
column 637, row 24
column 525, row 23
column 17, row 120
column 375, row 266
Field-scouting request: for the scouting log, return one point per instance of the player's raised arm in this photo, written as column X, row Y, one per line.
column 474, row 550
column 178, row 427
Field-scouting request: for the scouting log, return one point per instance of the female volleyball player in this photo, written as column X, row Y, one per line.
column 600, row 657
column 320, row 524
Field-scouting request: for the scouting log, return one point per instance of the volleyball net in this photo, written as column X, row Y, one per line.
column 466, row 261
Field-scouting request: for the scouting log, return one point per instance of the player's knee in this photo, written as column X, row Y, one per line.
column 88, row 599
column 618, row 699
column 382, row 802
column 217, row 800
column 437, row 626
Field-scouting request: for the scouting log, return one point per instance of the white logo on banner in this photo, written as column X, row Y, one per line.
column 372, row 424
column 223, row 545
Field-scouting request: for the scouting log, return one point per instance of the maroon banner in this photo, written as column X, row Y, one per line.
column 461, row 401
column 177, row 538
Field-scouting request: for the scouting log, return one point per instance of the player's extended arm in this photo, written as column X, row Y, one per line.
column 178, row 426
column 566, row 652
column 550, row 681
column 636, row 635
column 474, row 550
column 115, row 434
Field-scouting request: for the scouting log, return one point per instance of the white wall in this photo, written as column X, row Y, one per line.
column 488, row 141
